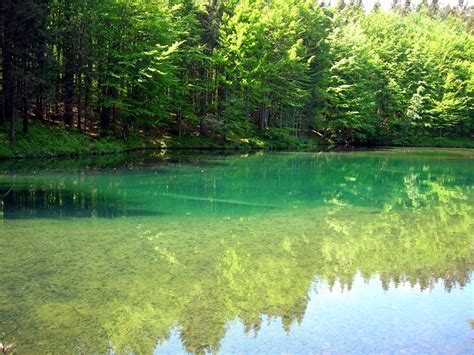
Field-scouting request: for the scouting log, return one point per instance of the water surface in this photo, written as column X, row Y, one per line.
column 263, row 252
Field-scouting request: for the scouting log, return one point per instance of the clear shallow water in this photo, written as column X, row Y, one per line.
column 275, row 252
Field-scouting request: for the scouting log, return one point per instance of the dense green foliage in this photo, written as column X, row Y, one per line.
column 232, row 68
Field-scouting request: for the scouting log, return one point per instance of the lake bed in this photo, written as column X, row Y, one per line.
column 368, row 251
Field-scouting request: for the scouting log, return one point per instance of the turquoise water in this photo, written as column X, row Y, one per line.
column 261, row 252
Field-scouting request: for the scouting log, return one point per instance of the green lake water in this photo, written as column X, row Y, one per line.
column 360, row 252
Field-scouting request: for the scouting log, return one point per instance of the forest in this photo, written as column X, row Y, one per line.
column 130, row 72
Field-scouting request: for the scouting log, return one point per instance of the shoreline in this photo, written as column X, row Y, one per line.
column 99, row 154
column 45, row 143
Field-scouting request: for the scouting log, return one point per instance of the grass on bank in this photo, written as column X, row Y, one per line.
column 44, row 141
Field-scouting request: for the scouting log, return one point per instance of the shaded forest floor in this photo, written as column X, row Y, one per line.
column 44, row 141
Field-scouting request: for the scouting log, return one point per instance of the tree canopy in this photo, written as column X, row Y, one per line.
column 227, row 68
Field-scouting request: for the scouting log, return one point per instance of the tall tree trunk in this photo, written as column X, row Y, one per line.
column 68, row 91
column 38, row 61
column 202, row 103
column 79, row 103
column 202, row 114
column 2, row 108
column 87, row 94
column 9, row 81
column 3, row 30
column 104, row 114
column 263, row 116
column 104, row 121
column 68, row 54
column 39, row 110
column 12, row 132
column 24, row 95
column 113, row 109
column 25, row 113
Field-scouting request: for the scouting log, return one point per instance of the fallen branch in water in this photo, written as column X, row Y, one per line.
column 5, row 195
column 210, row 199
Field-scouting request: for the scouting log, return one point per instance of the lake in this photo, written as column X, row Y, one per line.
column 361, row 252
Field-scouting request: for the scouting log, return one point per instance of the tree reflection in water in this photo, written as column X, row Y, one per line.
column 94, row 284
